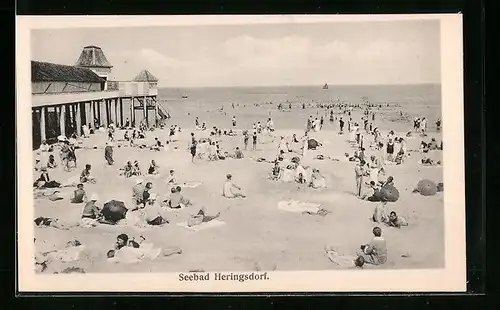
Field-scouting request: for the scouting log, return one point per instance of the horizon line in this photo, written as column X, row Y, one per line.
column 299, row 85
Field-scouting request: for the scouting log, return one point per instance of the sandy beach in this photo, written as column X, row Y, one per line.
column 256, row 235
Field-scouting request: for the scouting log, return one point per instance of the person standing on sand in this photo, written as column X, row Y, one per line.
column 234, row 119
column 245, row 139
column 373, row 165
column 305, row 142
column 341, row 124
column 254, row 140
column 360, row 171
column 108, row 153
column 192, row 147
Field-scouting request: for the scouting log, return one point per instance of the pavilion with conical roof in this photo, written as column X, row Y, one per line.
column 148, row 77
column 92, row 57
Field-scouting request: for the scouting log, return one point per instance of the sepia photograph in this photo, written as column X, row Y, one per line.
column 240, row 152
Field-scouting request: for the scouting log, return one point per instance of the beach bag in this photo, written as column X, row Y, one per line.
column 426, row 187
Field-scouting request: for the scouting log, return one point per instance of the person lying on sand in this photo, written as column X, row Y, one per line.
column 79, row 195
column 396, row 220
column 375, row 252
column 152, row 213
column 230, row 189
column 125, row 253
column 50, row 222
column 201, row 217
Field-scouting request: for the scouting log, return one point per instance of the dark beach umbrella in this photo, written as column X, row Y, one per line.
column 390, row 193
column 426, row 187
column 114, row 210
column 312, row 144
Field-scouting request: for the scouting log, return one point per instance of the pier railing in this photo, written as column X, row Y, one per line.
column 114, row 89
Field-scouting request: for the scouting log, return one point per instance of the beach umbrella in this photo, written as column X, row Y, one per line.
column 390, row 193
column 312, row 144
column 426, row 187
column 114, row 210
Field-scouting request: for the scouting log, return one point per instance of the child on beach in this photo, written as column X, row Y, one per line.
column 153, row 168
column 79, row 195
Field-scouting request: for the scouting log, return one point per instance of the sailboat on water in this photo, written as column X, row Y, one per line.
column 325, row 86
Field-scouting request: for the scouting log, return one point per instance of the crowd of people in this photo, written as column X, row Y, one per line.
column 371, row 153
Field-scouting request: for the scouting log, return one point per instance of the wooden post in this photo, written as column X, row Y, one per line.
column 62, row 120
column 43, row 134
column 107, row 111
column 156, row 112
column 132, row 111
column 145, row 108
column 121, row 112
column 78, row 116
column 98, row 104
column 92, row 114
column 116, row 111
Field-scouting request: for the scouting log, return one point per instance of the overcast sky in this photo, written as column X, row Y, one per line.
column 402, row 52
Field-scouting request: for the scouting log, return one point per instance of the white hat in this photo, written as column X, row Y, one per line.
column 139, row 181
column 94, row 197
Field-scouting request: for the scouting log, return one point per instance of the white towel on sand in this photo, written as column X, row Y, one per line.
column 193, row 184
column 341, row 260
column 202, row 226
column 67, row 255
column 298, row 206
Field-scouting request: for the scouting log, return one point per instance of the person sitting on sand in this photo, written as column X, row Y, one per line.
column 300, row 178
column 238, row 154
column 396, row 221
column 432, row 145
column 375, row 252
column 176, row 199
column 276, row 172
column 127, row 170
column 375, row 196
column 136, row 170
column 85, row 176
column 152, row 213
column 44, row 180
column 79, row 195
column 146, row 193
column 380, row 212
column 388, row 182
column 318, row 181
column 91, row 211
column 230, row 189
column 153, row 168
column 137, row 194
column 171, row 178
column 51, row 163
